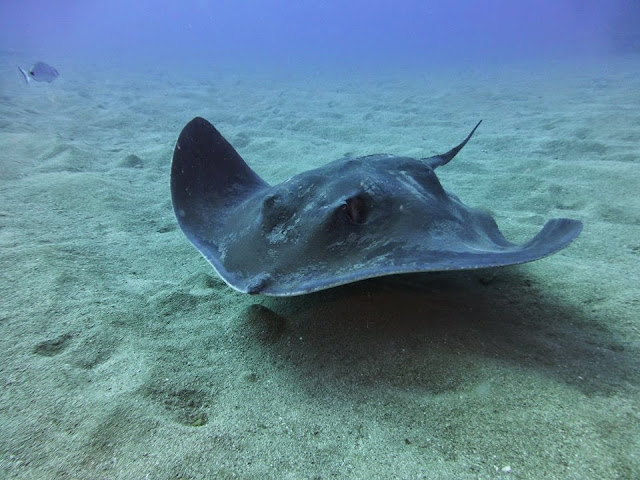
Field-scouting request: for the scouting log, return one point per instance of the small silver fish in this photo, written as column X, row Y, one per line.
column 40, row 72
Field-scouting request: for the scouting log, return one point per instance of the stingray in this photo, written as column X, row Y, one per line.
column 351, row 219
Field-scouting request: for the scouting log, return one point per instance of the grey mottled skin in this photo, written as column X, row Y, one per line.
column 346, row 221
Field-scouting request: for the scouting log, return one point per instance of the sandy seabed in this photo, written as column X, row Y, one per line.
column 124, row 356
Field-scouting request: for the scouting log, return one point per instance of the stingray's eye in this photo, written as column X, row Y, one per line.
column 356, row 210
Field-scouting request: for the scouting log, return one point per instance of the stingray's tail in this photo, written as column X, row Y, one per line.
column 443, row 159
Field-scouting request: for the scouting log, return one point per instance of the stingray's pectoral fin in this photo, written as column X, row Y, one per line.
column 206, row 167
column 444, row 158
column 208, row 177
column 554, row 236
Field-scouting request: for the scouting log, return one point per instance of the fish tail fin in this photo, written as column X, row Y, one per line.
column 25, row 74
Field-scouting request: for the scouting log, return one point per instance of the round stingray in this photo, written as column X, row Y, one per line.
column 351, row 219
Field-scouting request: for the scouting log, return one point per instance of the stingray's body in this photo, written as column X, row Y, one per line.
column 346, row 221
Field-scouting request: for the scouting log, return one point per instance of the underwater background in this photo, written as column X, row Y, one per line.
column 124, row 356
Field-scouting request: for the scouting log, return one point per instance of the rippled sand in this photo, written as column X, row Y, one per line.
column 124, row 356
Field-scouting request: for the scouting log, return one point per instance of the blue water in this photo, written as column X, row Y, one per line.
column 285, row 34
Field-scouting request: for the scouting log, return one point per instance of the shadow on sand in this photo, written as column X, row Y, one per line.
column 429, row 332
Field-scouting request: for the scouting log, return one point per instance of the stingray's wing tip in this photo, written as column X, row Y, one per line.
column 556, row 234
